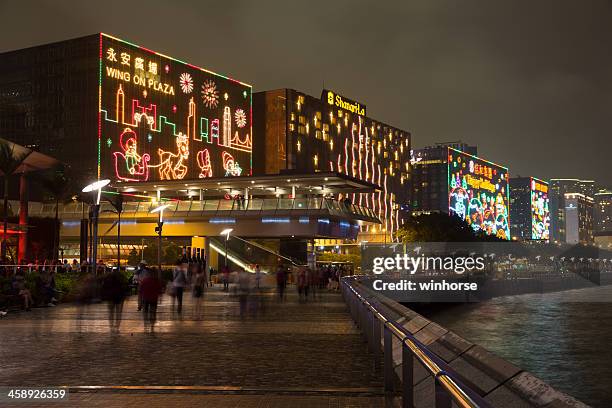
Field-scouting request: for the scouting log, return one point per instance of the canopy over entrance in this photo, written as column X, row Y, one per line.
column 34, row 161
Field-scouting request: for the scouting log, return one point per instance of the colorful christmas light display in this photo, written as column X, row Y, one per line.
column 540, row 215
column 155, row 129
column 478, row 193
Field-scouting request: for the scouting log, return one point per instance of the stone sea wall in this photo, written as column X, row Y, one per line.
column 498, row 381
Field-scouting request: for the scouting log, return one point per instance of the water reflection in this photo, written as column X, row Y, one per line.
column 565, row 338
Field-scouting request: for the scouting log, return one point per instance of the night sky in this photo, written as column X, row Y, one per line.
column 529, row 82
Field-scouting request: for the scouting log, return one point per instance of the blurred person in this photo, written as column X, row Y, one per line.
column 199, row 282
column 244, row 289
column 258, row 276
column 179, row 281
column 150, row 288
column 226, row 277
column 281, row 282
column 139, row 274
column 114, row 289
column 19, row 286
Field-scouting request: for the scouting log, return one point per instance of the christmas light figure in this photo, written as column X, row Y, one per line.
column 210, row 94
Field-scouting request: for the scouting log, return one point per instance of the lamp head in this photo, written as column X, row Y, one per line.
column 96, row 185
column 227, row 231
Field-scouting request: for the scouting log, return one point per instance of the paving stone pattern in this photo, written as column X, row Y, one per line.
column 308, row 346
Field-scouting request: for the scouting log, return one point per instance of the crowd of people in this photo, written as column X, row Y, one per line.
column 112, row 285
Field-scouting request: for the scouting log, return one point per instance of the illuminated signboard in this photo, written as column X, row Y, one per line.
column 340, row 101
column 478, row 193
column 164, row 119
column 540, row 216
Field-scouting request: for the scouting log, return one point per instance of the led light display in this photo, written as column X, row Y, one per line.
column 540, row 215
column 164, row 119
column 478, row 193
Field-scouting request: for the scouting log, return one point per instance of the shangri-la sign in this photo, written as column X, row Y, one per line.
column 340, row 101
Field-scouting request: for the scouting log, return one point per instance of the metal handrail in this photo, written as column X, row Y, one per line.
column 446, row 380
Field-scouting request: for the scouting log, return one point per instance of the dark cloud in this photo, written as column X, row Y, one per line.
column 529, row 82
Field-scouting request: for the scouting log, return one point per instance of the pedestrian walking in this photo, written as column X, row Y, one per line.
column 179, row 281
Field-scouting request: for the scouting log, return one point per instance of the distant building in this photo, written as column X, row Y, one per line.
column 529, row 209
column 429, row 187
column 602, row 214
column 578, row 215
column 448, row 178
column 558, row 189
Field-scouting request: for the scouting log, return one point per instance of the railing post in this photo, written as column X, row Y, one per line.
column 443, row 398
column 376, row 337
column 407, row 376
column 369, row 330
column 388, row 357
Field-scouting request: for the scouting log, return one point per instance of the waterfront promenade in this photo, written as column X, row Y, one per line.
column 304, row 354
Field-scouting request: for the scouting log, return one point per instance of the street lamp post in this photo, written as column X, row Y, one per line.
column 226, row 232
column 96, row 187
column 160, row 224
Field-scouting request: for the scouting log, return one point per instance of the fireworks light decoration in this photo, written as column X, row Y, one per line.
column 240, row 118
column 186, row 82
column 210, row 94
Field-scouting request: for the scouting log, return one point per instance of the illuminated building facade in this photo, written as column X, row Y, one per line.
column 602, row 214
column 478, row 193
column 164, row 130
column 49, row 100
column 429, row 181
column 448, row 178
column 558, row 188
column 115, row 110
column 529, row 209
column 578, row 215
column 299, row 133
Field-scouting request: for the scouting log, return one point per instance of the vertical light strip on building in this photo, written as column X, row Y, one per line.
column 100, row 108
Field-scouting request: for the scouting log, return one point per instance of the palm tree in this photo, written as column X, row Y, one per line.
column 10, row 161
column 57, row 182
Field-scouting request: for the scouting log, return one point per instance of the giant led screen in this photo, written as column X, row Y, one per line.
column 540, row 216
column 164, row 119
column 478, row 193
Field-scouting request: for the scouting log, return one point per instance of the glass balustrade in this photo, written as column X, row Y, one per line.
column 252, row 206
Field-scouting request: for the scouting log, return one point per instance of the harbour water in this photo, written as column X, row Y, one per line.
column 565, row 338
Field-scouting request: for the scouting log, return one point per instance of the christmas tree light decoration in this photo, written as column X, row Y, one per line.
column 210, row 94
column 109, row 142
column 186, row 82
column 240, row 118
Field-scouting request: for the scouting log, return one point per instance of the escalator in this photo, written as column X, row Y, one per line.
column 247, row 253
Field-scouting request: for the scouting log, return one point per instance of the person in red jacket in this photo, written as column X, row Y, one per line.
column 150, row 289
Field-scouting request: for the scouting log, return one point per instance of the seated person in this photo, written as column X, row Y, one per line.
column 21, row 290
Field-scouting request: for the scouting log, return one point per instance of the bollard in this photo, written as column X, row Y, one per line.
column 443, row 399
column 388, row 357
column 407, row 376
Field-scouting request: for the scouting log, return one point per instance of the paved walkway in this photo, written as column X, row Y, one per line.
column 303, row 354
